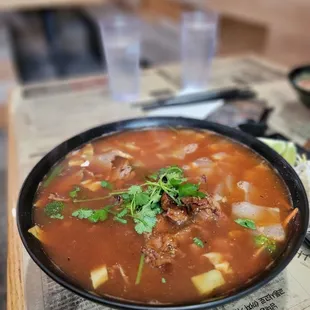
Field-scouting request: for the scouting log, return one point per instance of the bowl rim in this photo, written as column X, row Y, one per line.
column 294, row 73
column 62, row 149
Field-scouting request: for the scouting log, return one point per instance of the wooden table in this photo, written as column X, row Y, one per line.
column 155, row 80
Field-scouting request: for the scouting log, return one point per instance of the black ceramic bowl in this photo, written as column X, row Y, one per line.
column 303, row 94
column 27, row 194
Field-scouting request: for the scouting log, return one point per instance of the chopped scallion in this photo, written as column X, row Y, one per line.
column 140, row 268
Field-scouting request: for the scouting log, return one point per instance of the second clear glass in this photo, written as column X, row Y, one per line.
column 198, row 47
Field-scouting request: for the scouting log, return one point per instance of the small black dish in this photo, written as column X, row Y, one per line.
column 286, row 173
column 303, row 94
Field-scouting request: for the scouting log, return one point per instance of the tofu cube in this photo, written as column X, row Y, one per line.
column 37, row 232
column 206, row 282
column 99, row 276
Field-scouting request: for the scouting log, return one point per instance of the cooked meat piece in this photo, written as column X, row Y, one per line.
column 160, row 249
column 56, row 197
column 183, row 235
column 176, row 214
column 121, row 169
column 105, row 161
column 190, row 148
column 203, row 179
column 166, row 202
column 206, row 208
column 162, row 224
column 111, row 155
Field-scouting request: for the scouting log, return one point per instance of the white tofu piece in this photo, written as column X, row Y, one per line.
column 87, row 150
column 217, row 260
column 91, row 185
column 37, row 232
column 223, row 267
column 99, row 276
column 206, row 282
column 214, row 257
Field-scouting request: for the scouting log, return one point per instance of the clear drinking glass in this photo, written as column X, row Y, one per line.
column 199, row 34
column 121, row 42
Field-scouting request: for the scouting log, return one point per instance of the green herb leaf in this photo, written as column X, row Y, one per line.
column 122, row 213
column 57, row 216
column 93, row 216
column 142, row 199
column 83, row 213
column 120, row 220
column 134, row 189
column 156, row 196
column 198, row 242
column 146, row 219
column 163, row 280
column 54, row 209
column 200, row 195
column 98, row 215
column 176, row 182
column 74, row 192
column 188, row 189
column 55, row 172
column 153, row 176
column 106, row 184
column 126, row 197
column 262, row 240
column 246, row 223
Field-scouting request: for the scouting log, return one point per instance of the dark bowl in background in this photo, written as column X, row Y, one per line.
column 303, row 94
column 286, row 172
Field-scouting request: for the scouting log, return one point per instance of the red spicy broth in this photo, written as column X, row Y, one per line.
column 198, row 213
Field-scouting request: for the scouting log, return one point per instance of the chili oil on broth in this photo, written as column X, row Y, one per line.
column 222, row 168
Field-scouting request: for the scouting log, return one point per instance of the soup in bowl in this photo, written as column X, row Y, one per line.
column 159, row 215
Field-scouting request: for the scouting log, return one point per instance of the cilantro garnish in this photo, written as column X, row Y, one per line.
column 54, row 210
column 146, row 218
column 74, row 192
column 189, row 189
column 93, row 216
column 262, row 240
column 122, row 213
column 57, row 216
column 106, row 184
column 83, row 213
column 198, row 242
column 120, row 220
column 246, row 223
column 98, row 215
column 142, row 202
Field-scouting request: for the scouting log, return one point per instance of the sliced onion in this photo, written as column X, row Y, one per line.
column 219, row 156
column 190, row 148
column 245, row 186
column 229, row 183
column 256, row 213
column 275, row 232
column 202, row 162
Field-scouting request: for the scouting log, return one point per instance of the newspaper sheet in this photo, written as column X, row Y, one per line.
column 46, row 115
